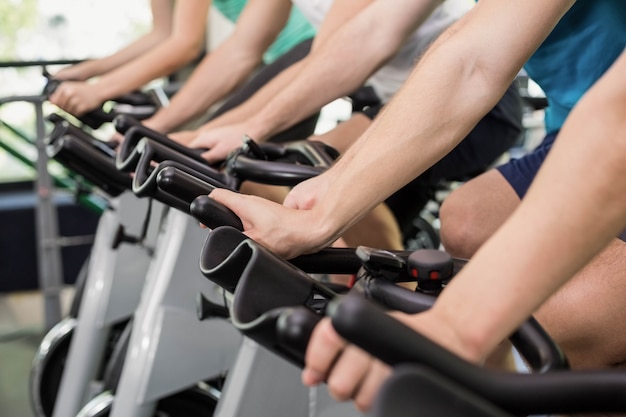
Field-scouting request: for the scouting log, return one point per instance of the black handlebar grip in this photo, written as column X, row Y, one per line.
column 136, row 132
column 50, row 87
column 557, row 392
column 213, row 214
column 294, row 328
column 123, row 122
column 357, row 320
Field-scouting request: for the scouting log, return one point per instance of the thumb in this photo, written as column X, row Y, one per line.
column 202, row 139
column 234, row 201
column 212, row 156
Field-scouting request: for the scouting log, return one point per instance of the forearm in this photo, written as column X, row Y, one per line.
column 459, row 79
column 95, row 67
column 218, row 74
column 572, row 210
column 336, row 67
column 185, row 26
column 409, row 136
column 163, row 60
column 247, row 109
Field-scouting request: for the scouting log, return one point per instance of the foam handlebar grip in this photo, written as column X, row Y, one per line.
column 213, row 214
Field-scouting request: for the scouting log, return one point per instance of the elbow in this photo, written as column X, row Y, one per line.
column 184, row 51
column 190, row 49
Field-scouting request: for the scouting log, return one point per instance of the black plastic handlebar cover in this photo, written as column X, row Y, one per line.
column 270, row 172
column 90, row 162
column 170, row 184
column 308, row 152
column 216, row 255
column 280, row 164
column 134, row 133
column 222, row 259
column 181, row 185
column 327, row 261
column 213, row 214
column 63, row 127
column 294, row 327
column 413, row 389
column 97, row 117
column 558, row 392
column 149, row 153
column 174, row 184
column 267, row 286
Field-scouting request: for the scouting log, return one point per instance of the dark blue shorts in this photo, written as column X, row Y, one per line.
column 520, row 172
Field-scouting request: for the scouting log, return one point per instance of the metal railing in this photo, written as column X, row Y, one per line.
column 50, row 270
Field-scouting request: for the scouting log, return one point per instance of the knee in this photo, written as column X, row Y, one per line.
column 460, row 225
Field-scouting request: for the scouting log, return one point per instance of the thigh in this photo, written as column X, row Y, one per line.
column 587, row 316
column 472, row 212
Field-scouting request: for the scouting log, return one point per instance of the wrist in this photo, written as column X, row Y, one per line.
column 158, row 123
column 330, row 221
column 468, row 342
column 263, row 126
column 323, row 229
column 257, row 130
column 102, row 90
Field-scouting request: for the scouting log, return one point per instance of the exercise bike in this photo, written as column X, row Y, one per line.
column 143, row 379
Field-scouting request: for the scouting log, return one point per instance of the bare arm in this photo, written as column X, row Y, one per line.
column 181, row 47
column 554, row 232
column 340, row 12
column 341, row 65
column 161, row 29
column 229, row 65
column 459, row 79
column 573, row 209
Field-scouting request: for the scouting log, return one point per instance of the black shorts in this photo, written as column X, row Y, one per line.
column 520, row 172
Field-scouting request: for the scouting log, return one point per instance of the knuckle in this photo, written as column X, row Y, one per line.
column 339, row 389
column 327, row 334
column 362, row 403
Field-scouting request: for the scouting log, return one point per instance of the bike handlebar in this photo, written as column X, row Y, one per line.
column 86, row 155
column 134, row 132
column 557, row 392
column 141, row 105
column 229, row 259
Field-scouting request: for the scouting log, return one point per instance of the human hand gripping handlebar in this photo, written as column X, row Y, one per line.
column 229, row 262
column 557, row 392
column 263, row 285
column 139, row 104
column 164, row 169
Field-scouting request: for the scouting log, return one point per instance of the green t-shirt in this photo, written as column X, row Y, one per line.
column 297, row 29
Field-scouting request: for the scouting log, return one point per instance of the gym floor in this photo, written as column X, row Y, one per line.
column 21, row 329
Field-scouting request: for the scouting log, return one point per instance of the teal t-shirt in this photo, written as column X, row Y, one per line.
column 297, row 29
column 583, row 45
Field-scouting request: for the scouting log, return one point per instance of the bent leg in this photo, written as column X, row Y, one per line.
column 587, row 317
column 472, row 212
